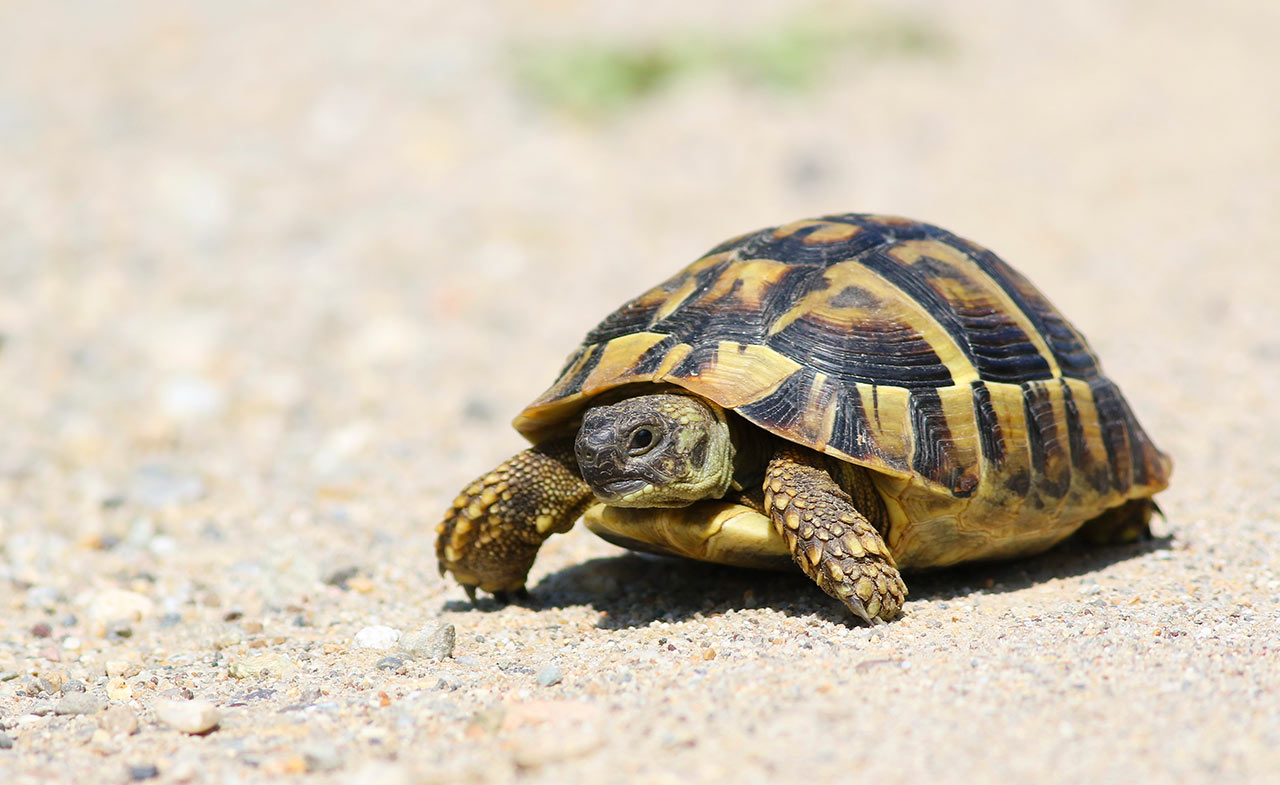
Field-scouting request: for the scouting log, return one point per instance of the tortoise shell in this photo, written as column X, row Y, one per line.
column 897, row 346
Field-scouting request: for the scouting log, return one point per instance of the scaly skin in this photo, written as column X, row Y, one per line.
column 491, row 535
column 1127, row 523
column 829, row 538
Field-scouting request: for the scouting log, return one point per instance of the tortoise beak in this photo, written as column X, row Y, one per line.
column 617, row 489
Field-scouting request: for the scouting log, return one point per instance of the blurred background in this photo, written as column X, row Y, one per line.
column 295, row 260
column 264, row 251
column 274, row 277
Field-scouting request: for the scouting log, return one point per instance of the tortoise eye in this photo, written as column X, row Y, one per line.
column 641, row 440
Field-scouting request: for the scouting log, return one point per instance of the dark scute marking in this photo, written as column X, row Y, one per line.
column 1019, row 482
column 573, row 358
column 781, row 409
column 792, row 286
column 884, row 232
column 855, row 297
column 991, row 341
column 917, row 287
column 868, row 351
column 1080, row 456
column 627, row 320
column 934, row 456
column 634, row 317
column 1138, row 449
column 851, row 431
column 990, row 435
column 793, row 249
column 1042, row 439
column 1112, row 422
column 1139, row 445
column 701, row 357
column 1034, row 400
column 741, row 243
column 1069, row 349
column 651, row 359
column 574, row 384
column 1001, row 350
column 702, row 322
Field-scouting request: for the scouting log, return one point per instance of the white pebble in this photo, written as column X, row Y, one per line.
column 118, row 605
column 377, row 637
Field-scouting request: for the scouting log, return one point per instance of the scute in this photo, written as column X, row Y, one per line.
column 891, row 344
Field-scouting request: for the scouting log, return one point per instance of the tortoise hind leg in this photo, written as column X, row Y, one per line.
column 1126, row 523
column 829, row 538
column 492, row 533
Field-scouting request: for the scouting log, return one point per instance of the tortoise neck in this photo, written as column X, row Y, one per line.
column 753, row 448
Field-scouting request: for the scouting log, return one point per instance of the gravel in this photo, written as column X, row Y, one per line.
column 275, row 277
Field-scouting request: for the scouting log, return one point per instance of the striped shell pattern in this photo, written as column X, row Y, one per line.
column 894, row 345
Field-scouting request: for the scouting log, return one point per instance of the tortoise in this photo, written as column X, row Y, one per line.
column 854, row 395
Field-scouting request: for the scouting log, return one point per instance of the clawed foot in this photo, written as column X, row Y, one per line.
column 830, row 539
column 520, row 596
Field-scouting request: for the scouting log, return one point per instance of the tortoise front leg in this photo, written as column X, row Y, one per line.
column 829, row 538
column 490, row 536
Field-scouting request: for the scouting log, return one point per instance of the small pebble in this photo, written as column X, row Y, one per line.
column 193, row 716
column 122, row 669
column 75, row 685
column 42, row 597
column 340, row 577
column 6, row 741
column 41, row 630
column 377, row 637
column 321, row 757
column 78, row 703
column 261, row 664
column 158, row 486
column 144, row 771
column 119, row 721
column 52, row 682
column 389, row 663
column 8, row 675
column 434, row 642
column 550, row 675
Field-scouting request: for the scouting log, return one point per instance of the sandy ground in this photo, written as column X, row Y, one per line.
column 274, row 278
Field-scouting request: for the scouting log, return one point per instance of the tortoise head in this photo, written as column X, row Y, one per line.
column 661, row 450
